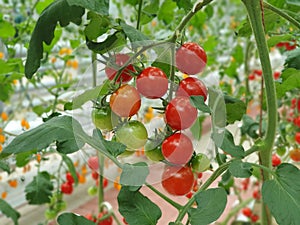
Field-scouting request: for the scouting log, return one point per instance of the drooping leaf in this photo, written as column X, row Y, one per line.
column 290, row 81
column 225, row 141
column 9, row 211
column 235, row 109
column 71, row 167
column 136, row 208
column 198, row 102
column 73, row 219
column 4, row 166
column 240, row 169
column 58, row 11
column 282, row 194
column 40, row 189
column 99, row 6
column 64, row 130
column 136, row 37
column 134, row 175
column 97, row 26
column 210, row 205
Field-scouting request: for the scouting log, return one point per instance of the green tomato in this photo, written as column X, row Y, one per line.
column 60, row 206
column 104, row 118
column 200, row 163
column 281, row 151
column 50, row 214
column 133, row 134
column 93, row 190
column 153, row 150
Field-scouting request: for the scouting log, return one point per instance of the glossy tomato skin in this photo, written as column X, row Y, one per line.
column 180, row 114
column 177, row 180
column 108, row 221
column 66, row 188
column 125, row 101
column 118, row 61
column 152, row 83
column 192, row 86
column 191, row 58
column 177, row 149
column 133, row 134
column 297, row 137
column 295, row 155
column 104, row 119
column 69, row 178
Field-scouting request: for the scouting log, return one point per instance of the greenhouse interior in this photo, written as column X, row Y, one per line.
column 149, row 112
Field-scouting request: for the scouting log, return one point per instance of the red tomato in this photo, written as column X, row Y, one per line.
column 276, row 161
column 297, row 137
column 191, row 86
column 257, row 72
column 66, row 188
column 247, row 212
column 256, row 194
column 191, row 58
column 276, row 75
column 93, row 163
column 180, row 114
column 69, row 178
column 126, row 101
column 108, row 221
column 295, row 155
column 177, row 180
column 95, row 175
column 251, row 76
column 177, row 148
column 152, row 83
column 118, row 61
column 90, row 217
column 254, row 218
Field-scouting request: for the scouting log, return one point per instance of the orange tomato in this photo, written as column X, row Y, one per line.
column 295, row 155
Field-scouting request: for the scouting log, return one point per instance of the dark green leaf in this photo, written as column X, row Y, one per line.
column 293, row 59
column 57, row 35
column 58, row 11
column 198, row 102
column 149, row 11
column 134, row 175
column 210, row 205
column 136, row 208
column 290, row 81
column 240, row 169
column 227, row 181
column 40, row 189
column 70, row 166
column 225, row 141
column 249, row 127
column 4, row 166
column 112, row 41
column 65, row 131
column 72, row 219
column 282, row 195
column 112, row 147
column 184, row 4
column 98, row 25
column 23, row 158
column 166, row 11
column 136, row 37
column 99, row 6
column 9, row 211
column 235, row 109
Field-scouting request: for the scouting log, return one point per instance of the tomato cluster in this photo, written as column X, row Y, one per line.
column 98, row 219
column 67, row 186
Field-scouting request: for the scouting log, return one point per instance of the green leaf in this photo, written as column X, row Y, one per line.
column 57, row 35
column 64, row 130
column 217, row 105
column 111, row 42
column 99, row 6
column 68, row 161
column 235, row 109
column 227, row 181
column 98, row 25
column 112, row 147
column 293, row 2
column 240, row 169
column 291, row 81
column 249, row 127
column 166, row 11
column 134, row 175
column 9, row 211
column 136, row 37
column 59, row 11
column 72, row 219
column 40, row 189
column 4, row 166
column 149, row 11
column 7, row 30
column 293, row 59
column 210, row 205
column 9, row 68
column 225, row 141
column 282, row 195
column 136, row 208
column 184, row 4
column 196, row 128
column 274, row 40
column 198, row 102
column 23, row 158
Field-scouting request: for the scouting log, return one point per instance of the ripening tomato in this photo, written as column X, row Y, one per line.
column 69, row 178
column 276, row 75
column 177, row 180
column 276, row 161
column 257, row 72
column 107, row 221
column 104, row 119
column 177, row 148
column 180, row 114
column 133, row 134
column 153, row 149
column 191, row 58
column 192, row 86
column 297, row 137
column 295, row 155
column 251, row 76
column 126, row 101
column 66, row 188
column 152, row 83
column 117, row 62
column 247, row 212
column 93, row 163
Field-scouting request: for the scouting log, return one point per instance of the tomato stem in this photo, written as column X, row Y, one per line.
column 138, row 26
column 254, row 11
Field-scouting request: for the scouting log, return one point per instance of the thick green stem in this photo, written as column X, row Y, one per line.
column 282, row 14
column 255, row 16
